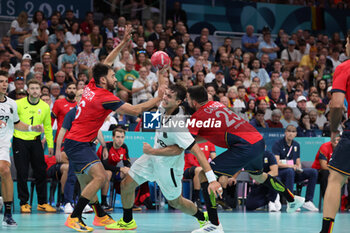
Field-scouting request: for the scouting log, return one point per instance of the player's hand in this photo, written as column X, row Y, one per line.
column 216, row 188
column 38, row 128
column 161, row 91
column 128, row 33
column 124, row 170
column 147, row 149
column 232, row 181
column 50, row 152
column 105, row 153
column 2, row 124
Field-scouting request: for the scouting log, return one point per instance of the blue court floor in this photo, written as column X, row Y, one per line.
column 175, row 222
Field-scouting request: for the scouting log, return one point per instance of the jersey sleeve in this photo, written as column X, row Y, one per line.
column 55, row 110
column 275, row 149
column 271, row 158
column 322, row 153
column 47, row 127
column 211, row 147
column 297, row 154
column 340, row 78
column 193, row 129
column 68, row 119
column 15, row 113
column 112, row 103
column 126, row 159
column 184, row 140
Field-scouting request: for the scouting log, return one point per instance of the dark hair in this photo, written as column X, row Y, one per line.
column 3, row 73
column 35, row 14
column 100, row 70
column 241, row 87
column 287, row 108
column 198, row 93
column 289, row 126
column 120, row 130
column 259, row 111
column 301, row 124
column 71, row 83
column 33, row 81
column 179, row 90
column 44, row 94
column 5, row 64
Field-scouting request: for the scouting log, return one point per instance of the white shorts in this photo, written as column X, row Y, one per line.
column 168, row 179
column 5, row 154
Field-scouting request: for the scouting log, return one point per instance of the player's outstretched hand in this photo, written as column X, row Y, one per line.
column 147, row 149
column 128, row 32
column 2, row 124
column 161, row 91
column 38, row 128
column 215, row 187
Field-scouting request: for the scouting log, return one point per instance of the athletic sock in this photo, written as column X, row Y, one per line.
column 211, row 207
column 104, row 199
column 8, row 205
column 195, row 195
column 98, row 209
column 279, row 187
column 127, row 215
column 327, row 225
column 199, row 215
column 79, row 207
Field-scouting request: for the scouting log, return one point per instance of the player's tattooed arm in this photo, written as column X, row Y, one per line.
column 336, row 111
column 173, row 150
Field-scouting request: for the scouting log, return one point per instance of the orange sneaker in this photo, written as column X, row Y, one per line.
column 77, row 224
column 103, row 221
column 26, row 209
column 47, row 208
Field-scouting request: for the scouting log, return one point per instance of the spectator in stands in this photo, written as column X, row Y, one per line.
column 258, row 121
column 88, row 23
column 106, row 49
column 259, row 194
column 150, row 49
column 321, row 119
column 126, row 78
column 86, row 59
column 232, row 76
column 69, row 20
column 55, row 91
column 54, row 22
column 68, row 69
column 287, row 153
column 196, row 53
column 205, row 32
column 20, row 30
column 259, row 72
column 291, row 56
column 19, row 86
column 142, row 88
column 314, row 99
column 322, row 89
column 177, row 14
column 282, row 43
column 42, row 35
column 108, row 32
column 304, row 129
column 267, row 46
column 69, row 56
column 211, row 76
column 288, row 118
column 309, row 60
column 96, row 38
column 274, row 122
column 219, row 80
column 249, row 41
column 239, row 104
column 155, row 36
column 300, row 107
column 56, row 43
column 313, row 119
column 322, row 158
column 6, row 45
column 60, row 78
column 37, row 18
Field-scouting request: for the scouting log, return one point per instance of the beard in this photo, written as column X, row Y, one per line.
column 110, row 86
column 71, row 95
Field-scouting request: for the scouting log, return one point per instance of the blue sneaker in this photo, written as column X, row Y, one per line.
column 8, row 221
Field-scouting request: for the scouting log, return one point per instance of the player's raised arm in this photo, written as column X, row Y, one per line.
column 173, row 150
column 135, row 110
column 115, row 52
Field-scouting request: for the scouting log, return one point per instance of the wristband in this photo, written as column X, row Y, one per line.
column 210, row 176
column 30, row 128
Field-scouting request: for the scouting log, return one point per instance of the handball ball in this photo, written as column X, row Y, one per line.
column 160, row 59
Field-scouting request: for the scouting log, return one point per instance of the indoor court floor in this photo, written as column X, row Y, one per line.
column 175, row 222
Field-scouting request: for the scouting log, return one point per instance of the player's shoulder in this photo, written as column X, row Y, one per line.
column 44, row 105
column 22, row 101
column 10, row 101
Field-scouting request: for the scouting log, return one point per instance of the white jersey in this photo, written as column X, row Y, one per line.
column 172, row 136
column 9, row 115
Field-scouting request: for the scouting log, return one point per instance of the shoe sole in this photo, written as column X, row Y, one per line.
column 98, row 224
column 54, row 211
column 76, row 228
column 6, row 225
column 299, row 205
column 115, row 229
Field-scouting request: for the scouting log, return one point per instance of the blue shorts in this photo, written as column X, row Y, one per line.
column 340, row 160
column 238, row 156
column 82, row 155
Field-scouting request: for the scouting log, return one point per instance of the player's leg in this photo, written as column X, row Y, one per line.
column 257, row 197
column 223, row 180
column 192, row 173
column 6, row 187
column 332, row 196
column 21, row 159
column 69, row 188
column 105, row 188
column 64, row 174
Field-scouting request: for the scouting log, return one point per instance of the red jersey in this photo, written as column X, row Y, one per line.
column 232, row 130
column 115, row 155
column 49, row 161
column 95, row 105
column 191, row 160
column 59, row 111
column 341, row 81
column 325, row 152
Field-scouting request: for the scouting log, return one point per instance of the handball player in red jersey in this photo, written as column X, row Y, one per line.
column 245, row 149
column 95, row 105
column 339, row 164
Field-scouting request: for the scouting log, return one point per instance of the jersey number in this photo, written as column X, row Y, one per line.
column 81, row 105
column 4, row 118
column 32, row 120
column 226, row 114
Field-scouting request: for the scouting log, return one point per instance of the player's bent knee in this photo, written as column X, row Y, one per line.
column 202, row 177
column 197, row 170
column 176, row 203
column 5, row 171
